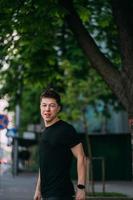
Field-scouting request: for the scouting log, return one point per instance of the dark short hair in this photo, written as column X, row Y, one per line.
column 51, row 93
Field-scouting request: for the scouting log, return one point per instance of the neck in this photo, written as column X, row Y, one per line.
column 49, row 123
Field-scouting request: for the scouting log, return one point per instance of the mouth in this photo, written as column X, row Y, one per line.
column 47, row 115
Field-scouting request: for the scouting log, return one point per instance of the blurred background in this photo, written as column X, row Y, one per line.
column 80, row 49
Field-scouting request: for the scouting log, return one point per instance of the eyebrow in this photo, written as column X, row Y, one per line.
column 48, row 103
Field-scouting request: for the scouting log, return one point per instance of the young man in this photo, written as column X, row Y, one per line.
column 58, row 143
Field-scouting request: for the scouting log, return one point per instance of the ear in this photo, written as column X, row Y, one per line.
column 59, row 108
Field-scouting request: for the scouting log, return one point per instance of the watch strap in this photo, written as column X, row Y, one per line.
column 80, row 186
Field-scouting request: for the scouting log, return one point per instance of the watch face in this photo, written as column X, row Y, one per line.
column 81, row 186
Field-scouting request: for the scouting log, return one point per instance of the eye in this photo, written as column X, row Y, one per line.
column 52, row 105
column 43, row 105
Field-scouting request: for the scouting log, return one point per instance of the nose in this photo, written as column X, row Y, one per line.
column 47, row 108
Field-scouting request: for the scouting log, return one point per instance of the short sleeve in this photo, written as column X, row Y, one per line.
column 72, row 137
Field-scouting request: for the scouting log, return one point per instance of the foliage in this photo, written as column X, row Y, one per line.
column 38, row 48
column 82, row 92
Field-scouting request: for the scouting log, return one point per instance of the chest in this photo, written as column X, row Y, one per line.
column 53, row 146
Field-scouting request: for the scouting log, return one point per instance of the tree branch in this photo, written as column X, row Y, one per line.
column 97, row 58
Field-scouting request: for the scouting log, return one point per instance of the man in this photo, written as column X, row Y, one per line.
column 58, row 143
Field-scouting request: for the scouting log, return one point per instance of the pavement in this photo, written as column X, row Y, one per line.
column 22, row 187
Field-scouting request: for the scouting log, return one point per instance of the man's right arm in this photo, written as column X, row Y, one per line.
column 37, row 195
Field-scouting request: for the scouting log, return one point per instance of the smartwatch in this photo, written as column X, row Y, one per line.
column 80, row 186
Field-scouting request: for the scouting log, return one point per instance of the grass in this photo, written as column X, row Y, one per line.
column 106, row 194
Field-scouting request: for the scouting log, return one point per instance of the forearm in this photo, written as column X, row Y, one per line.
column 81, row 169
column 38, row 185
column 37, row 195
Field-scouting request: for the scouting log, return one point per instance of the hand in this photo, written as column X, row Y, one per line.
column 37, row 195
column 80, row 194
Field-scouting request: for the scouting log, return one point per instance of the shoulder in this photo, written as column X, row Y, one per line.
column 67, row 127
column 67, row 124
column 71, row 136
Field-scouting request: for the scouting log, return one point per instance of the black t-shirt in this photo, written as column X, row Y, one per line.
column 55, row 159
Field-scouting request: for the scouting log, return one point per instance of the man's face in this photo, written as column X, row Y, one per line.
column 49, row 109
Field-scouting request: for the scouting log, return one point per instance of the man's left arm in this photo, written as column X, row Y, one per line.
column 78, row 152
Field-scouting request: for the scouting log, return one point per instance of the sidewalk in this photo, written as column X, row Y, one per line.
column 22, row 187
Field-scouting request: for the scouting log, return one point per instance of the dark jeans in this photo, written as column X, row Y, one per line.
column 58, row 198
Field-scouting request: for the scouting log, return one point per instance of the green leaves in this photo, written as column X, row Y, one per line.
column 35, row 36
